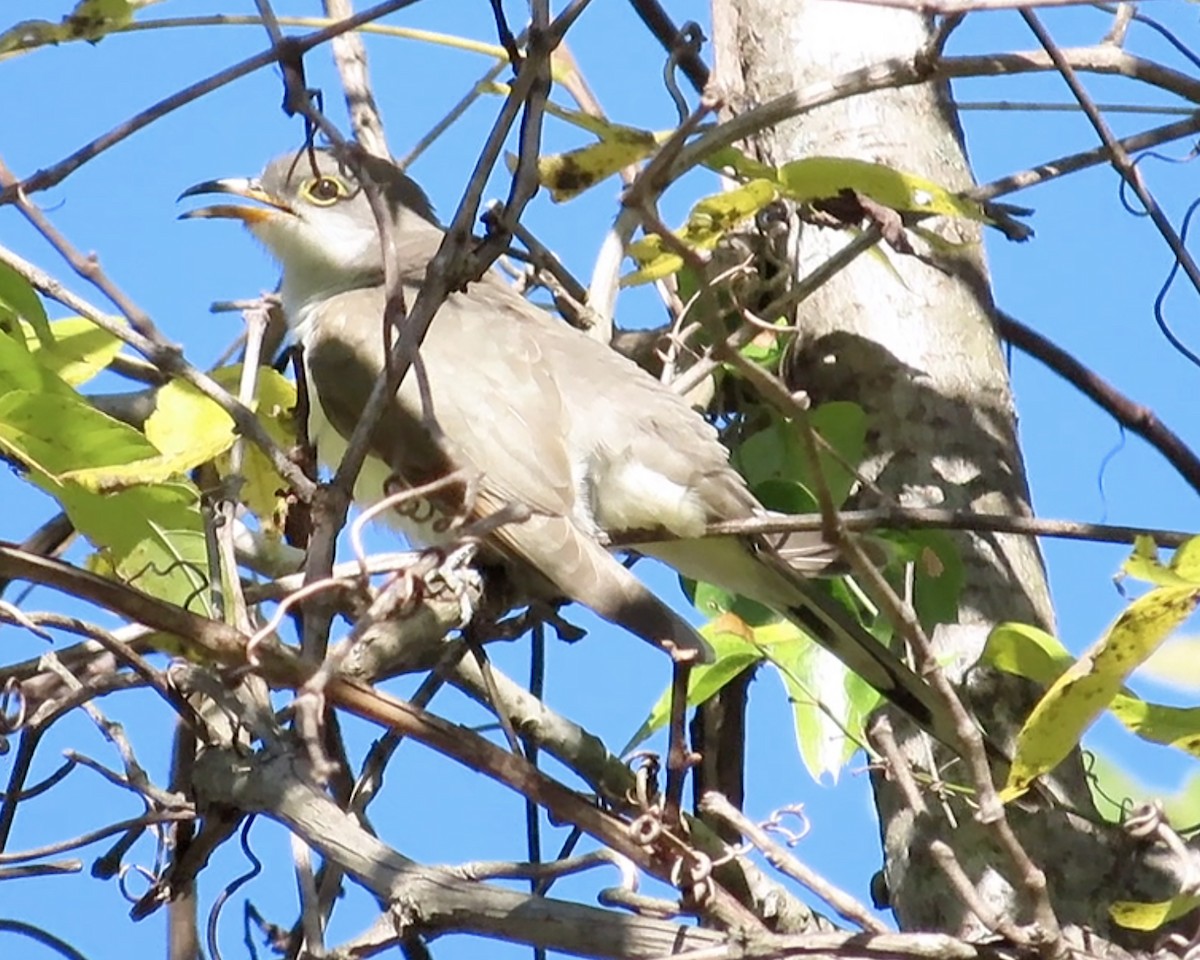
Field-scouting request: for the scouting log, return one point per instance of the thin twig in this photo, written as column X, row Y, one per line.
column 1133, row 416
column 1119, row 158
column 847, row 907
column 52, row 176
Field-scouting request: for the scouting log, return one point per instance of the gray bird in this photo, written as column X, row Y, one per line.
column 546, row 417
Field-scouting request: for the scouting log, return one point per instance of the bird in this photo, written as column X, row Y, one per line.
column 585, row 443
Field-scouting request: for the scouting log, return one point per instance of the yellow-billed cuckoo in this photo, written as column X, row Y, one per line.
column 545, row 416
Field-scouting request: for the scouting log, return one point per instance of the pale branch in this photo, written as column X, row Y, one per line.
column 1061, row 166
column 896, row 73
column 916, row 518
column 211, row 640
column 848, row 908
column 1131, row 415
column 431, row 900
column 951, row 7
column 180, row 812
column 350, row 56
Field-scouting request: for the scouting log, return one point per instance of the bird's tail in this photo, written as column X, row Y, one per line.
column 831, row 625
column 755, row 570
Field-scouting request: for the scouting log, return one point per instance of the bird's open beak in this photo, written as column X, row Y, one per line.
column 237, row 187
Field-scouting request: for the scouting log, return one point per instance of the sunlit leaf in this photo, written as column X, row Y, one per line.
column 1143, row 564
column 1088, row 687
column 1026, row 651
column 263, row 489
column 710, row 219
column 829, row 702
column 91, row 20
column 59, row 433
column 566, row 175
column 20, row 302
column 21, row 370
column 77, row 349
column 1177, row 727
column 1185, row 561
column 1151, row 916
column 815, row 178
column 732, row 643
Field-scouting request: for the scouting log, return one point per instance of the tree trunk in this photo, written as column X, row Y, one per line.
column 919, row 352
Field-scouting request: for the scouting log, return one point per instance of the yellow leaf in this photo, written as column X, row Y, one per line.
column 91, row 20
column 1177, row 727
column 1185, row 561
column 816, row 178
column 1143, row 564
column 1088, row 687
column 1151, row 916
column 264, row 490
column 78, row 350
column 186, row 428
column 710, row 219
column 567, row 175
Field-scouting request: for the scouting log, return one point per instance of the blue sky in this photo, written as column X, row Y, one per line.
column 1087, row 280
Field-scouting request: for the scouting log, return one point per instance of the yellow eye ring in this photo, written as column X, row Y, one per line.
column 324, row 191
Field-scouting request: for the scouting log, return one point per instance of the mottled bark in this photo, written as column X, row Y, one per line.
column 915, row 346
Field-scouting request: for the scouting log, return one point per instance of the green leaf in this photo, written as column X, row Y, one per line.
column 91, row 20
column 744, row 167
column 829, row 703
column 768, row 346
column 938, row 573
column 785, row 496
column 76, row 351
column 778, row 453
column 844, row 426
column 1026, row 651
column 1086, row 688
column 732, row 643
column 57, row 433
column 710, row 219
column 816, row 178
column 21, row 370
column 1150, row 916
column 150, row 536
column 19, row 301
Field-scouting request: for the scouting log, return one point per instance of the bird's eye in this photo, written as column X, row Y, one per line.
column 324, row 191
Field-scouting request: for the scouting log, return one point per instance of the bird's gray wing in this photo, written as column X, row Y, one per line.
column 654, row 430
column 496, row 400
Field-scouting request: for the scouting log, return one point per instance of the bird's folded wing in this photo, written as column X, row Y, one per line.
column 496, row 401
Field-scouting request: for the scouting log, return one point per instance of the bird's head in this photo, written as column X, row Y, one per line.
column 313, row 215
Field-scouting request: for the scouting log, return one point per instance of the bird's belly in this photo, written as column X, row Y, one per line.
column 371, row 484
